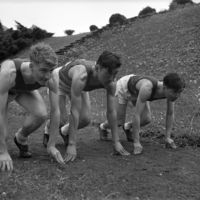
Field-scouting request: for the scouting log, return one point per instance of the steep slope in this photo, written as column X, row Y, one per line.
column 55, row 42
column 169, row 41
column 156, row 45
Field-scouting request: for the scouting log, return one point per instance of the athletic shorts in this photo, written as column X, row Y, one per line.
column 122, row 92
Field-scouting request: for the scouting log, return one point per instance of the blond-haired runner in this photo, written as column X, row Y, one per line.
column 20, row 81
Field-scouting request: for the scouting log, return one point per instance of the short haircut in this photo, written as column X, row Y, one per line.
column 43, row 53
column 109, row 60
column 174, row 82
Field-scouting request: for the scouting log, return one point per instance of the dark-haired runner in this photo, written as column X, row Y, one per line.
column 140, row 90
column 76, row 79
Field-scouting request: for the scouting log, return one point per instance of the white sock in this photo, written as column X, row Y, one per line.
column 102, row 126
column 64, row 129
column 46, row 129
column 127, row 126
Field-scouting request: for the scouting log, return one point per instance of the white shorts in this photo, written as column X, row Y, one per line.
column 122, row 92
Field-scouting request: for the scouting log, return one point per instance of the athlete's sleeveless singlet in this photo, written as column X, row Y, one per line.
column 20, row 85
column 65, row 81
column 134, row 80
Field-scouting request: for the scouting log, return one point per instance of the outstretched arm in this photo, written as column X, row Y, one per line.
column 169, row 123
column 79, row 78
column 7, row 78
column 169, row 118
column 4, row 156
column 144, row 94
column 5, row 159
column 112, row 119
column 54, row 119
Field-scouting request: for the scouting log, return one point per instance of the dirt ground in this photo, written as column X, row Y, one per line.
column 158, row 173
column 152, row 46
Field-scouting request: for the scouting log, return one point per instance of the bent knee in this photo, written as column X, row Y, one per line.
column 84, row 122
column 42, row 116
column 146, row 121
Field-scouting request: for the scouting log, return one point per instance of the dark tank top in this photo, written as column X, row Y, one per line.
column 20, row 85
column 134, row 80
column 91, row 84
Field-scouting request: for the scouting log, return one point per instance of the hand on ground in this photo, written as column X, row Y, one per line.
column 119, row 150
column 170, row 144
column 71, row 153
column 52, row 151
column 137, row 149
column 5, row 162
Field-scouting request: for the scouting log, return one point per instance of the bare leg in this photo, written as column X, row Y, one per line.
column 84, row 118
column 34, row 104
column 121, row 116
column 145, row 118
column 63, row 114
column 5, row 159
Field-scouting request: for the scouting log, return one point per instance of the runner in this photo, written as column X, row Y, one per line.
column 20, row 81
column 76, row 79
column 140, row 90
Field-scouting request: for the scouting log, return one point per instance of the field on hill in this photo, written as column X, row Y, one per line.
column 154, row 46
column 55, row 42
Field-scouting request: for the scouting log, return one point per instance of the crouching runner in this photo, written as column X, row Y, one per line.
column 76, row 79
column 141, row 90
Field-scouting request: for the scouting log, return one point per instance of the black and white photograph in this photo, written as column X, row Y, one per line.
column 99, row 100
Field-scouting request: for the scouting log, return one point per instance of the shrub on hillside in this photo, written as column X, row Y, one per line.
column 179, row 3
column 38, row 33
column 12, row 41
column 93, row 28
column 8, row 46
column 22, row 42
column 146, row 11
column 117, row 19
column 69, row 32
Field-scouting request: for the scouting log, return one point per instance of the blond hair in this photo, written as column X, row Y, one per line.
column 43, row 53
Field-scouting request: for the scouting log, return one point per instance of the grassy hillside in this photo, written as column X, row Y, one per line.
column 169, row 41
column 156, row 45
column 56, row 43
column 59, row 42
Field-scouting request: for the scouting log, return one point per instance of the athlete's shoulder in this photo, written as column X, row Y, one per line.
column 78, row 72
column 8, row 66
column 7, row 74
column 145, row 90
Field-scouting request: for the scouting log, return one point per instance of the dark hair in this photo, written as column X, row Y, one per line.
column 109, row 60
column 174, row 82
